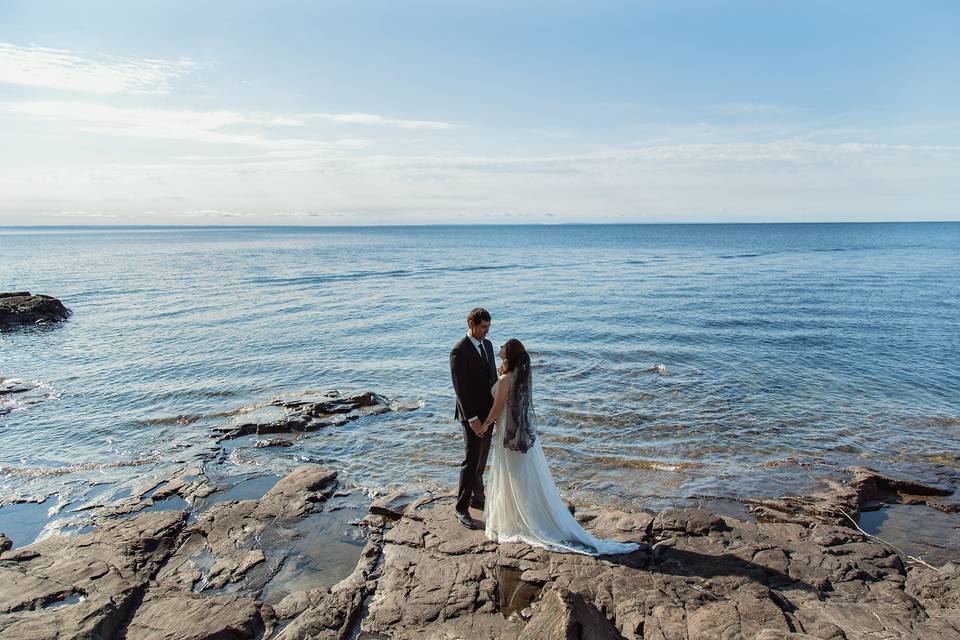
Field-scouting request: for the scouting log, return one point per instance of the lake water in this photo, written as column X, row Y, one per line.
column 670, row 360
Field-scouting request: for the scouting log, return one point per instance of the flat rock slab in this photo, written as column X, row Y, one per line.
column 190, row 616
column 697, row 576
column 84, row 586
column 392, row 505
column 21, row 308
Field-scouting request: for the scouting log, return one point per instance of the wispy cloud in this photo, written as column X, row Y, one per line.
column 80, row 214
column 62, row 69
column 685, row 157
column 216, row 213
column 213, row 213
column 373, row 119
column 223, row 126
column 166, row 124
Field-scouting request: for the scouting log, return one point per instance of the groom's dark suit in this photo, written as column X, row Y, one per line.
column 473, row 378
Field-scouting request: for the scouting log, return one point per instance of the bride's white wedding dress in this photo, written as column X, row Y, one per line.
column 523, row 504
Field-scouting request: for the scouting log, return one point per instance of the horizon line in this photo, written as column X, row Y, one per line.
column 460, row 224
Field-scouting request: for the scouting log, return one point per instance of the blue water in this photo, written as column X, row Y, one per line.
column 670, row 360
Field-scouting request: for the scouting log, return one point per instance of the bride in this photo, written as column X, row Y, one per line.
column 523, row 504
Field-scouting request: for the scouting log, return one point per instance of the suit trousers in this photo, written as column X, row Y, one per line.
column 472, row 467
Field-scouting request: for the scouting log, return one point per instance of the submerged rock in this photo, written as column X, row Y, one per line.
column 8, row 386
column 23, row 308
column 17, row 394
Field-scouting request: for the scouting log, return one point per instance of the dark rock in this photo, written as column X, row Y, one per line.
column 21, row 308
column 5, row 543
column 13, row 386
column 297, row 493
column 307, row 415
column 274, row 442
column 622, row 526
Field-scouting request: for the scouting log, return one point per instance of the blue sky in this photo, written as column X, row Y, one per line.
column 438, row 112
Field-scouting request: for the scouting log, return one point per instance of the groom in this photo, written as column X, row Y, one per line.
column 474, row 372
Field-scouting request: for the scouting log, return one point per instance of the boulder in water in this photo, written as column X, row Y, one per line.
column 21, row 308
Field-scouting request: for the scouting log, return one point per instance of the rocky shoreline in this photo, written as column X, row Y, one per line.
column 799, row 572
column 190, row 558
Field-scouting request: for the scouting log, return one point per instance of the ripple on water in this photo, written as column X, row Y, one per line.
column 650, row 350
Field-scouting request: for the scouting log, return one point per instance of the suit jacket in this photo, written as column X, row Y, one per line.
column 472, row 379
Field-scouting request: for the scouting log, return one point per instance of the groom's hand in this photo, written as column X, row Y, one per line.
column 477, row 427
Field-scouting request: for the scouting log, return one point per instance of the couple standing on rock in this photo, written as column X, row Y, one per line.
column 494, row 406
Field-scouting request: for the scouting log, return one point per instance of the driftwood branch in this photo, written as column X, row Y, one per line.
column 892, row 546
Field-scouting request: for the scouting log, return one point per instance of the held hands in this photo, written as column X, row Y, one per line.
column 478, row 428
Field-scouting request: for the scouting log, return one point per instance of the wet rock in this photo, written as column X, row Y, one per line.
column 8, row 386
column 839, row 503
column 311, row 414
column 22, row 308
column 697, row 576
column 231, row 531
column 392, row 505
column 298, row 493
column 274, row 442
column 563, row 615
column 101, row 575
column 181, row 615
column 5, row 543
column 323, row 614
column 191, row 485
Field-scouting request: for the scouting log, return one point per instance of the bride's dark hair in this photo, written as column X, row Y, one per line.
column 516, row 360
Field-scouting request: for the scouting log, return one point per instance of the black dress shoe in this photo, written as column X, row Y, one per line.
column 466, row 520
